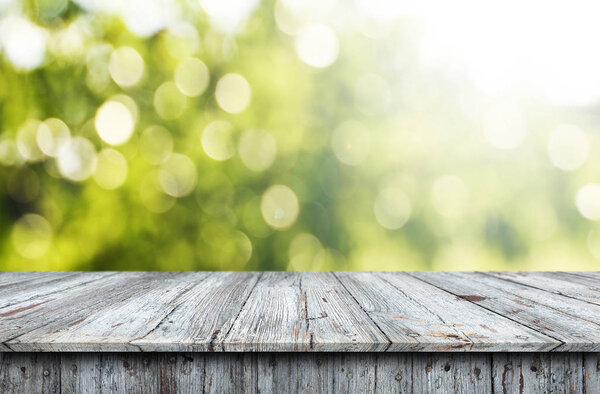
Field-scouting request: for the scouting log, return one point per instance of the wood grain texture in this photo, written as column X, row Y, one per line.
column 41, row 285
column 451, row 373
column 539, row 373
column 201, row 320
column 299, row 372
column 299, row 312
column 574, row 323
column 417, row 316
column 80, row 373
column 591, row 371
column 181, row 373
column 29, row 373
column 115, row 311
column 573, row 286
column 303, row 312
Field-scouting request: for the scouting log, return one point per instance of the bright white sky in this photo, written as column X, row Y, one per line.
column 549, row 47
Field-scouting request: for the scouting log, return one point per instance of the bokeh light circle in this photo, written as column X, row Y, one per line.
column 392, row 208
column 114, row 122
column 178, row 175
column 317, row 45
column 52, row 135
column 31, row 236
column 77, row 160
column 153, row 196
column 257, row 149
column 233, row 93
column 169, row 102
column 126, row 66
column 279, row 206
column 217, row 140
column 111, row 169
column 302, row 251
column 23, row 42
column 191, row 77
column 587, row 201
column 8, row 152
column 27, row 144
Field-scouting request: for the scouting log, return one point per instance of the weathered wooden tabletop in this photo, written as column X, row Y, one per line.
column 284, row 311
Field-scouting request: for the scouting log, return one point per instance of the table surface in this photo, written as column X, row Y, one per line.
column 300, row 312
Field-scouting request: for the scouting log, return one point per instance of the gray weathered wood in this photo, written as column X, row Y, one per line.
column 571, row 321
column 300, row 372
column 273, row 317
column 354, row 375
column 45, row 323
column 417, row 316
column 204, row 317
column 129, row 373
column 591, row 369
column 581, row 288
column 303, row 312
column 538, row 373
column 61, row 310
column 394, row 372
column 279, row 311
column 79, row 373
column 29, row 373
column 45, row 285
column 451, row 373
column 234, row 373
column 295, row 372
column 181, row 373
column 112, row 326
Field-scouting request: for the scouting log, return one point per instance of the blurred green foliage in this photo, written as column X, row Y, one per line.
column 349, row 158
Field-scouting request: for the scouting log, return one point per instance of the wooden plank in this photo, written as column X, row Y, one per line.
column 581, row 288
column 231, row 373
column 335, row 321
column 591, row 363
column 568, row 320
column 273, row 318
column 419, row 317
column 302, row 312
column 80, row 373
column 538, row 373
column 393, row 372
column 108, row 373
column 354, row 375
column 112, row 326
column 203, row 318
column 181, row 373
column 593, row 275
column 295, row 373
column 62, row 311
column 225, row 311
column 29, row 373
column 129, row 373
column 45, row 285
column 300, row 372
column 451, row 373
column 12, row 279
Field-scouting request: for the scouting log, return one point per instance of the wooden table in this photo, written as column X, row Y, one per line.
column 300, row 332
